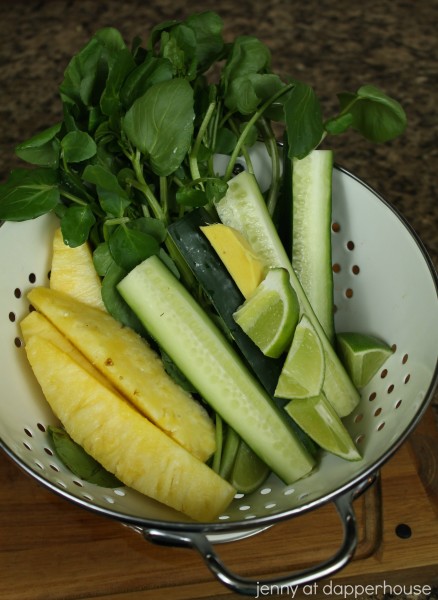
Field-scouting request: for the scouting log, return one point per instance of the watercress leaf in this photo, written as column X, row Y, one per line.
column 115, row 304
column 122, row 66
column 247, row 92
column 338, row 124
column 41, row 149
column 215, row 189
column 179, row 46
column 113, row 203
column 248, row 55
column 77, row 146
column 207, row 27
column 102, row 258
column 76, row 224
column 29, row 193
column 86, row 74
column 153, row 70
column 103, row 178
column 129, row 247
column 156, row 32
column 151, row 226
column 160, row 124
column 375, row 115
column 190, row 196
column 225, row 141
column 303, row 119
column 78, row 461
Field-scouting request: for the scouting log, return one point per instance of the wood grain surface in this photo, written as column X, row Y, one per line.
column 52, row 550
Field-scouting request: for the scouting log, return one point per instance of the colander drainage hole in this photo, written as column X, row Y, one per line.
column 403, row 531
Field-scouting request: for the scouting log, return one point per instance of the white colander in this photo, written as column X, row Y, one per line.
column 385, row 284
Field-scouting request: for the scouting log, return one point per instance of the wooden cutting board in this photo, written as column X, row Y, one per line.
column 51, row 549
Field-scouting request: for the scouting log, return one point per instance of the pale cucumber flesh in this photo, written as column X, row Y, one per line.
column 311, row 232
column 243, row 207
column 199, row 349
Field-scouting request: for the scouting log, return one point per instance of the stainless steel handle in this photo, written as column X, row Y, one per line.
column 250, row 587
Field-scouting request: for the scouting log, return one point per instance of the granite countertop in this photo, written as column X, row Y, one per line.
column 335, row 46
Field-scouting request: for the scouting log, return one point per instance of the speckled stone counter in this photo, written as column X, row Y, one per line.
column 335, row 46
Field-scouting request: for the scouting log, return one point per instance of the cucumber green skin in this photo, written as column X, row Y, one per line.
column 243, row 207
column 220, row 288
column 200, row 350
column 311, row 232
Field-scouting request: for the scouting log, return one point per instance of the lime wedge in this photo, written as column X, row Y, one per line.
column 303, row 371
column 269, row 316
column 319, row 420
column 249, row 471
column 362, row 355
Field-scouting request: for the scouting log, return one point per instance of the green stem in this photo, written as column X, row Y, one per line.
column 73, row 198
column 256, row 116
column 193, row 158
column 272, row 146
column 143, row 187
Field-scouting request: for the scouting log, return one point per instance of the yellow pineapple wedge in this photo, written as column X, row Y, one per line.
column 36, row 324
column 133, row 368
column 122, row 440
column 73, row 272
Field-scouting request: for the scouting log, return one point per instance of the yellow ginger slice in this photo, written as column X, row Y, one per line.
column 73, row 272
column 132, row 367
column 122, row 440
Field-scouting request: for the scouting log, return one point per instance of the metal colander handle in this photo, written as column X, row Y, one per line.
column 250, row 587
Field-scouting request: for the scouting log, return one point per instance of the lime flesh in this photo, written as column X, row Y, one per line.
column 302, row 375
column 269, row 316
column 320, row 421
column 362, row 355
column 249, row 471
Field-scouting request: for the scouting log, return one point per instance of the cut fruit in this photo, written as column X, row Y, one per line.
column 244, row 208
column 237, row 256
column 201, row 351
column 319, row 420
column 122, row 440
column 269, row 316
column 302, row 375
column 36, row 324
column 132, row 367
column 249, row 471
column 73, row 272
column 362, row 355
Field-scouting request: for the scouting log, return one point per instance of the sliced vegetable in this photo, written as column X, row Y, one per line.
column 311, row 233
column 201, row 351
column 243, row 207
column 221, row 290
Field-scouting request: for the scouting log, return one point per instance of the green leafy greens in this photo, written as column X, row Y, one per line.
column 141, row 126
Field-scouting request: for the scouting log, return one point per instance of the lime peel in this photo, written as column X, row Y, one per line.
column 303, row 371
column 362, row 355
column 270, row 314
column 319, row 420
